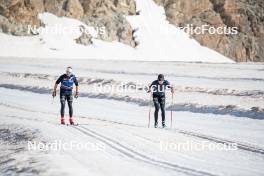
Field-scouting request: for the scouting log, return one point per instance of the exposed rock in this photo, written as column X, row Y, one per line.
column 247, row 15
column 127, row 7
column 3, row 23
column 57, row 7
column 85, row 38
column 18, row 14
column 108, row 7
column 21, row 12
column 110, row 14
column 69, row 8
column 116, row 28
column 74, row 9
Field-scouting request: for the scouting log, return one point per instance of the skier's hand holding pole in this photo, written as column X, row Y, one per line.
column 76, row 92
column 54, row 94
column 54, row 90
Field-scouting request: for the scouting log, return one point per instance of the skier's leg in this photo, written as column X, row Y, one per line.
column 62, row 100
column 62, row 110
column 162, row 107
column 157, row 106
column 69, row 100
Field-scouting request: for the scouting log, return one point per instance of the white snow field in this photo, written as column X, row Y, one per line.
column 158, row 40
column 215, row 105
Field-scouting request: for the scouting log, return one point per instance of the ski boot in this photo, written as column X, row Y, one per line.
column 71, row 121
column 156, row 125
column 62, row 121
column 163, row 125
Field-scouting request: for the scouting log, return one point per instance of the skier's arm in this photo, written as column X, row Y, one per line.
column 150, row 88
column 56, row 85
column 171, row 87
column 76, row 88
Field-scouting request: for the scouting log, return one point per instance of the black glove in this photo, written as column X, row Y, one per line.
column 76, row 95
column 54, row 94
column 172, row 91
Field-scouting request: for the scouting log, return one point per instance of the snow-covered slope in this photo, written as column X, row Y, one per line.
column 28, row 113
column 158, row 40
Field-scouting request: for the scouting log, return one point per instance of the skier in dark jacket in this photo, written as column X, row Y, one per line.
column 67, row 81
column 158, row 88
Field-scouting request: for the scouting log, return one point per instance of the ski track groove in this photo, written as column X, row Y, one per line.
column 240, row 145
column 245, row 147
column 220, row 140
column 124, row 150
column 139, row 156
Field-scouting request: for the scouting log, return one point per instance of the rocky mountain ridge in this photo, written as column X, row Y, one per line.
column 246, row 15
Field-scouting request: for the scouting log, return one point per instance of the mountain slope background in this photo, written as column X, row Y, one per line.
column 16, row 15
column 248, row 16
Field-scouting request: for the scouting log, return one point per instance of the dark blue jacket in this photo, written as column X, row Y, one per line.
column 159, row 89
column 67, row 83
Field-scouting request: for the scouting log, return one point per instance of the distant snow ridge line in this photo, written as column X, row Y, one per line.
column 90, row 81
column 82, row 80
column 232, row 92
column 176, row 75
column 13, row 142
column 253, row 113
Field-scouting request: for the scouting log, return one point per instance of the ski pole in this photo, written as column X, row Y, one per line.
column 171, row 108
column 149, row 110
column 52, row 100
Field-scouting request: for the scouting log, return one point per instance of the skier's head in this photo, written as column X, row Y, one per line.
column 68, row 71
column 161, row 78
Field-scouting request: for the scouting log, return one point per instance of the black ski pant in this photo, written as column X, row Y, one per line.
column 63, row 98
column 159, row 103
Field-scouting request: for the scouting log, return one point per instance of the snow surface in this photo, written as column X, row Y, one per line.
column 29, row 113
column 158, row 40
